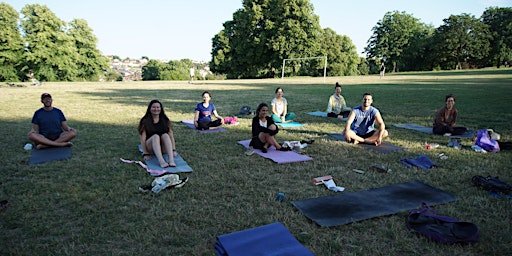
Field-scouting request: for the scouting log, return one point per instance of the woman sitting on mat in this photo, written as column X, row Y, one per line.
column 204, row 111
column 337, row 107
column 263, row 131
column 280, row 108
column 156, row 136
column 444, row 122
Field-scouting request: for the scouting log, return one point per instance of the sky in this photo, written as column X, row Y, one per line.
column 183, row 29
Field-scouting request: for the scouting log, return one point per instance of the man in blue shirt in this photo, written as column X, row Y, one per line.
column 49, row 126
column 360, row 124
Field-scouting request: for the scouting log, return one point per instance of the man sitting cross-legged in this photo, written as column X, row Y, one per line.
column 49, row 126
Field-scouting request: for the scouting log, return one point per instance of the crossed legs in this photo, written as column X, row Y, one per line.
column 159, row 144
column 351, row 136
column 62, row 141
column 269, row 140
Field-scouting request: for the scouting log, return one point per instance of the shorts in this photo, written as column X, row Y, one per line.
column 256, row 143
column 368, row 135
column 52, row 136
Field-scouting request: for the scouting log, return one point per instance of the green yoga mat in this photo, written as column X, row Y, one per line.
column 356, row 206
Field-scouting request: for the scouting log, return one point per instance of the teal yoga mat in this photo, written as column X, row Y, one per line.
column 181, row 165
column 290, row 124
column 384, row 147
column 39, row 156
column 350, row 207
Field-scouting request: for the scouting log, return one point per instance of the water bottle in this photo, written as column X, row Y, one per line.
column 280, row 197
column 160, row 186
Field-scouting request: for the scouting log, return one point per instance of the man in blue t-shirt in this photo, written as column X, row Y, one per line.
column 49, row 126
column 360, row 124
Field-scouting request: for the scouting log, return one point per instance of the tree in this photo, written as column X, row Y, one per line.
column 461, row 40
column 11, row 45
column 90, row 63
column 341, row 54
column 391, row 36
column 49, row 52
column 416, row 56
column 499, row 21
column 262, row 34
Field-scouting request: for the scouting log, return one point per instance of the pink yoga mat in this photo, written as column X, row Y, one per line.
column 280, row 157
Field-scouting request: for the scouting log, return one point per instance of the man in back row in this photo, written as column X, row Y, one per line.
column 49, row 126
column 360, row 124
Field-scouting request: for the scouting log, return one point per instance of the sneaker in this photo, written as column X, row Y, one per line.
column 181, row 184
column 264, row 150
column 457, row 145
column 451, row 143
column 249, row 152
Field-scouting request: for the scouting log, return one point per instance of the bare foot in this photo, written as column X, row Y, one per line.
column 41, row 146
column 356, row 142
column 172, row 164
column 68, row 144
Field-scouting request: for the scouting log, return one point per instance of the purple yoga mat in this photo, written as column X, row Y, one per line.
column 190, row 123
column 280, row 157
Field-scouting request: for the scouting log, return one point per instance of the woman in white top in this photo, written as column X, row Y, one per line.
column 280, row 108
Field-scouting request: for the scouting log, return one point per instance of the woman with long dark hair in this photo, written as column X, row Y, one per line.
column 263, row 131
column 156, row 135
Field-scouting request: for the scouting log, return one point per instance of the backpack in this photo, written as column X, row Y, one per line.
column 441, row 229
column 245, row 110
column 484, row 141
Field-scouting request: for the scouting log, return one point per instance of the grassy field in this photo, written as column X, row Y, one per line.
column 90, row 204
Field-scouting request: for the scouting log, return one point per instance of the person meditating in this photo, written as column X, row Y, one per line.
column 49, row 127
column 204, row 111
column 280, row 108
column 446, row 117
column 337, row 107
column 156, row 135
column 264, row 131
column 360, row 124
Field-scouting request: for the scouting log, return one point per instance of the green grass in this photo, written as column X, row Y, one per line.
column 90, row 204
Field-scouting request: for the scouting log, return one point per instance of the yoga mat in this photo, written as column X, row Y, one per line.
column 384, row 147
column 280, row 157
column 268, row 240
column 190, row 123
column 39, row 156
column 323, row 114
column 424, row 129
column 181, row 165
column 290, row 124
column 356, row 206
column 317, row 113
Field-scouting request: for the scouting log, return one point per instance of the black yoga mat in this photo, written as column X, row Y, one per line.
column 40, row 156
column 384, row 147
column 356, row 206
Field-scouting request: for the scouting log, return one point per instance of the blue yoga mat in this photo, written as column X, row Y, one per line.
column 181, row 165
column 290, row 124
column 356, row 206
column 268, row 240
column 424, row 129
column 384, row 147
column 39, row 156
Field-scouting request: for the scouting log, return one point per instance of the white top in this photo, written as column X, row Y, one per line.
column 279, row 105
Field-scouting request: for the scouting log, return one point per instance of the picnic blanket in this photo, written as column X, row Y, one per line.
column 384, row 147
column 268, row 240
column 290, row 124
column 350, row 207
column 323, row 114
column 424, row 129
column 280, row 157
column 39, row 156
column 190, row 123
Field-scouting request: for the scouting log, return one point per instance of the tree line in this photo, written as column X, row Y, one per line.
column 254, row 43
column 263, row 33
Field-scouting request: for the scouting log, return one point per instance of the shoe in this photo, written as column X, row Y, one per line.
column 249, row 152
column 285, row 149
column 451, row 143
column 307, row 141
column 145, row 188
column 264, row 150
column 181, row 184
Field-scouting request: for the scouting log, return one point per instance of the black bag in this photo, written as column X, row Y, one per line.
column 245, row 110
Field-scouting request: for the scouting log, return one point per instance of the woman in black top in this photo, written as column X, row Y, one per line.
column 264, row 130
column 156, row 136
